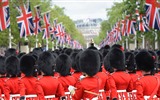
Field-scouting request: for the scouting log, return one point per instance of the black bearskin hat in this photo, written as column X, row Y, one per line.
column 63, row 64
column 37, row 51
column 92, row 47
column 107, row 47
column 117, row 59
column 27, row 64
column 107, row 65
column 89, row 62
column 21, row 54
column 144, row 61
column 158, row 55
column 117, row 46
column 46, row 63
column 12, row 64
column 2, row 65
column 68, row 51
column 10, row 51
column 154, row 55
column 77, row 68
column 130, row 61
column 73, row 58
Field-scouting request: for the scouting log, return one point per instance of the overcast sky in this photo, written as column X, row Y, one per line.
column 83, row 9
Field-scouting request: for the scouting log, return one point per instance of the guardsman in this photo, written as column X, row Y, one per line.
column 89, row 85
column 131, row 67
column 63, row 66
column 75, row 65
column 2, row 75
column 13, row 75
column 119, row 79
column 29, row 84
column 147, row 85
column 49, row 83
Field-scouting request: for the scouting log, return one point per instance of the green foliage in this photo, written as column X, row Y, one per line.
column 46, row 5
column 118, row 12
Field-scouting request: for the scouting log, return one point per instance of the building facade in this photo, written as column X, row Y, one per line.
column 89, row 28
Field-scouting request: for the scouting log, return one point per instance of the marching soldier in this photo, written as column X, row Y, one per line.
column 13, row 73
column 147, row 85
column 29, row 84
column 89, row 84
column 49, row 84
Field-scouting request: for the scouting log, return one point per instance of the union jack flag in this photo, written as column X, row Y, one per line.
column 54, row 29
column 63, row 35
column 55, row 25
column 36, row 20
column 152, row 13
column 68, row 39
column 143, row 25
column 101, row 44
column 25, row 22
column 123, row 27
column 4, row 15
column 47, row 27
column 131, row 26
column 59, row 32
column 118, row 32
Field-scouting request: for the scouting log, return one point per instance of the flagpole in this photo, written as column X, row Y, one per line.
column 10, row 38
column 156, row 37
column 47, row 44
column 36, row 41
column 122, row 43
column 52, row 45
column 135, row 41
column 127, row 43
column 143, row 41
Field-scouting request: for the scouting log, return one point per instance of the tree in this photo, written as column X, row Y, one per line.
column 118, row 12
column 56, row 12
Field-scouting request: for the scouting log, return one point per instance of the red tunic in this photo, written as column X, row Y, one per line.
column 104, row 86
column 139, row 73
column 134, row 77
column 145, row 86
column 56, row 74
column 11, row 87
column 103, row 69
column 77, row 75
column 2, row 81
column 51, row 86
column 119, row 81
column 92, row 84
column 31, row 85
column 66, row 81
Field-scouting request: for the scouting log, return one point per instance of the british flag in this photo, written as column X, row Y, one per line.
column 118, row 32
column 143, row 25
column 55, row 25
column 123, row 27
column 54, row 29
column 4, row 15
column 131, row 23
column 152, row 14
column 62, row 41
column 68, row 39
column 59, row 31
column 47, row 27
column 25, row 21
column 36, row 20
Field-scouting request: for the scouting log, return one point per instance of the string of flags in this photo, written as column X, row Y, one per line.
column 29, row 25
column 128, row 25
